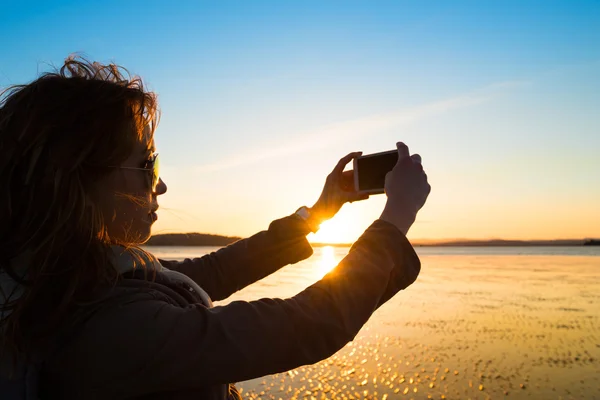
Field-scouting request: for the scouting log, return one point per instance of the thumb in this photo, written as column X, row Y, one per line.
column 402, row 151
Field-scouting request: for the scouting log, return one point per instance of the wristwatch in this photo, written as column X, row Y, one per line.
column 304, row 214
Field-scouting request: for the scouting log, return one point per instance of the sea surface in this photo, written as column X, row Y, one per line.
column 479, row 323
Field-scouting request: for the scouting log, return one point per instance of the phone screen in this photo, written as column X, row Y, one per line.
column 373, row 168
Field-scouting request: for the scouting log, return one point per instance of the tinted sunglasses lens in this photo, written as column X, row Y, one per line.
column 155, row 172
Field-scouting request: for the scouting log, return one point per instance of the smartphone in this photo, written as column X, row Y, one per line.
column 370, row 171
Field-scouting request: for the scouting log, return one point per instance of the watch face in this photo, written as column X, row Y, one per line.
column 303, row 213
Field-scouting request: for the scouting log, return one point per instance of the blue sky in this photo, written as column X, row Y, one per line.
column 260, row 99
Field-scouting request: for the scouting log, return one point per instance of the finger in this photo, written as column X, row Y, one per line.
column 345, row 160
column 355, row 196
column 416, row 162
column 348, row 179
column 402, row 151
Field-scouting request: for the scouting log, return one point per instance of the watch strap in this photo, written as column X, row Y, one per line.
column 305, row 214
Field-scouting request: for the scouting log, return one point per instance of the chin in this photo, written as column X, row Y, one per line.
column 143, row 239
column 143, row 229
column 138, row 236
column 143, row 236
column 131, row 233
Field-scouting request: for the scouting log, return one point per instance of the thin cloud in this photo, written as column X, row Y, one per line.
column 353, row 129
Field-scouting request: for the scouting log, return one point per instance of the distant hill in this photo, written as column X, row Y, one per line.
column 204, row 239
column 190, row 239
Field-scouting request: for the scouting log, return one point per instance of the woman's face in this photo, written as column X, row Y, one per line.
column 128, row 202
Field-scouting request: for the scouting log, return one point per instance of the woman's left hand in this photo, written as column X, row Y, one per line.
column 338, row 190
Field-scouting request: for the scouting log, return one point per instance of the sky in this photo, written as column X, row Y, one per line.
column 260, row 99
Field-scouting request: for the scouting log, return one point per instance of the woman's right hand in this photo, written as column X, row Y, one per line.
column 406, row 188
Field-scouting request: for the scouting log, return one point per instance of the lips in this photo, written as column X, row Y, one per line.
column 153, row 214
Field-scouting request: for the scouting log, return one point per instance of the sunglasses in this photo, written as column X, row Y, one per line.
column 152, row 167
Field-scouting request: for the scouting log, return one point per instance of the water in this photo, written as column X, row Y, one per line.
column 479, row 323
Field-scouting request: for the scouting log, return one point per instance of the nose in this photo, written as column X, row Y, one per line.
column 161, row 187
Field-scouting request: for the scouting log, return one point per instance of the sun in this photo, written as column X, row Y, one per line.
column 332, row 231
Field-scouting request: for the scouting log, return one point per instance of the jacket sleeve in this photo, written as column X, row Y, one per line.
column 246, row 261
column 151, row 346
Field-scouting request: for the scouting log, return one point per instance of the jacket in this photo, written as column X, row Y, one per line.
column 152, row 344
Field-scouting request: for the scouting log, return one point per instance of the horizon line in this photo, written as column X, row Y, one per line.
column 420, row 241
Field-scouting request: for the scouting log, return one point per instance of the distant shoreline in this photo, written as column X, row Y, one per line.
column 487, row 243
column 203, row 239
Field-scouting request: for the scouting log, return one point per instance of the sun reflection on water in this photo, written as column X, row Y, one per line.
column 328, row 260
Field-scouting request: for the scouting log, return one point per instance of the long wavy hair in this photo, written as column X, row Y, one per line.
column 58, row 136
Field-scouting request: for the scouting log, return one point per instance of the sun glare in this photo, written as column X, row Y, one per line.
column 332, row 231
column 328, row 260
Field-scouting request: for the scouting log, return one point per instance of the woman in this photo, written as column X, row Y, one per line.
column 91, row 315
